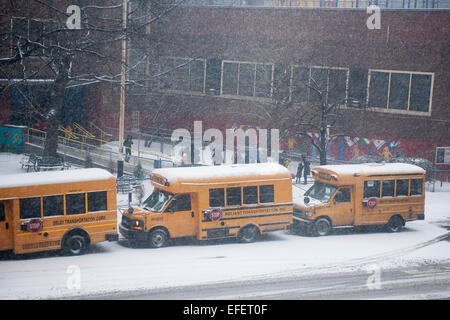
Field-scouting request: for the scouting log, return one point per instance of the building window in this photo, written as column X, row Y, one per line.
column 135, row 120
column 331, row 81
column 247, row 79
column 183, row 74
column 37, row 31
column 399, row 91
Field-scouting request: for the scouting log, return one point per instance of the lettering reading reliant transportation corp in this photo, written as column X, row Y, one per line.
column 78, row 220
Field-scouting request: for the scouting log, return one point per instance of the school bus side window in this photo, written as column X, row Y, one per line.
column 387, row 188
column 75, row 203
column 30, row 208
column 216, row 197
column 402, row 187
column 266, row 194
column 250, row 195
column 234, row 196
column 97, row 201
column 53, row 206
column 416, row 187
column 371, row 189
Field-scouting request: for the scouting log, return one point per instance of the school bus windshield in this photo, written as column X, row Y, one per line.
column 157, row 200
column 321, row 191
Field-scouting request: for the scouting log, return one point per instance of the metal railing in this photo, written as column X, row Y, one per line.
column 390, row 4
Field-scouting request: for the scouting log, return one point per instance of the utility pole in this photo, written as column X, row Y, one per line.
column 122, row 91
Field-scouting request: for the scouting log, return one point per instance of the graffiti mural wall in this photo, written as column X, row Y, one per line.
column 346, row 148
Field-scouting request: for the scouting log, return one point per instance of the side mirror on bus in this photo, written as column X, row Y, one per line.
column 306, row 200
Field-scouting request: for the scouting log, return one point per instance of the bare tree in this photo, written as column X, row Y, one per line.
column 39, row 42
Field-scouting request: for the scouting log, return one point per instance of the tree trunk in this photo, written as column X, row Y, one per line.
column 323, row 136
column 56, row 105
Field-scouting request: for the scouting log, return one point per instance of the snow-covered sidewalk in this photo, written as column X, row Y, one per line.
column 110, row 267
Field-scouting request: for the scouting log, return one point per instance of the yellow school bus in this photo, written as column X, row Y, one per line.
column 352, row 195
column 57, row 210
column 212, row 202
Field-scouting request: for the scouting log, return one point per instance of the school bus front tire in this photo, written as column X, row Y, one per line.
column 158, row 238
column 322, row 227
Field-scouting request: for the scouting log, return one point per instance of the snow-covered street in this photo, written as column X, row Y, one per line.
column 111, row 267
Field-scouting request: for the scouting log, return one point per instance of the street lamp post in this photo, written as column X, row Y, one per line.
column 122, row 91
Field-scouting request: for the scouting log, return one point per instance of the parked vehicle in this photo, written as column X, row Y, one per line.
column 57, row 210
column 362, row 194
column 212, row 202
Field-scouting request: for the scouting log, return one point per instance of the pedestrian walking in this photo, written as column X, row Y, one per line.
column 306, row 169
column 127, row 144
column 298, row 176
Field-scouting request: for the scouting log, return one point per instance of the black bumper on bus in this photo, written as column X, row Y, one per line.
column 132, row 234
column 112, row 237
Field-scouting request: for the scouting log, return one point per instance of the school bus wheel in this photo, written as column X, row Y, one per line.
column 75, row 243
column 395, row 224
column 158, row 238
column 248, row 233
column 322, row 226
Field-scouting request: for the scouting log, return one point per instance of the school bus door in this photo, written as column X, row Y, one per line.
column 6, row 234
column 343, row 206
column 180, row 216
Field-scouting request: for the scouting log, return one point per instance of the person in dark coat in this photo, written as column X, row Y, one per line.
column 127, row 144
column 306, row 170
column 298, row 176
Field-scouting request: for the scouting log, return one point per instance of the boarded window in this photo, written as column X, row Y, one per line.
column 420, row 92
column 230, row 78
column 379, row 84
column 213, row 75
column 399, row 91
column 263, row 81
column 30, row 208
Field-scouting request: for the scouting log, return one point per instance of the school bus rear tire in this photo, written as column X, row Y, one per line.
column 75, row 244
column 158, row 238
column 395, row 224
column 322, row 227
column 248, row 234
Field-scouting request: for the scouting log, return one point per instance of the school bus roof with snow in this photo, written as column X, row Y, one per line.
column 184, row 179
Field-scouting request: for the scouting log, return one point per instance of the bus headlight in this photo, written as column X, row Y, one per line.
column 138, row 225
